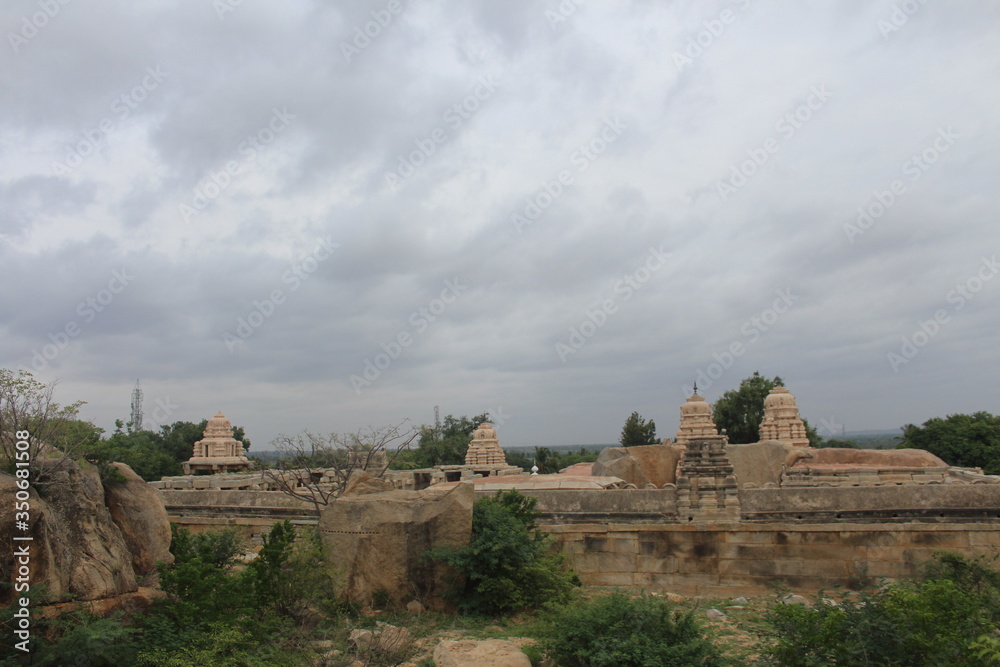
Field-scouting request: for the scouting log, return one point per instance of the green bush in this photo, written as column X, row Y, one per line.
column 508, row 564
column 933, row 619
column 199, row 584
column 622, row 631
column 78, row 638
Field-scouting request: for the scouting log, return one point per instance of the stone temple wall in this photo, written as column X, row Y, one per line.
column 807, row 538
column 746, row 559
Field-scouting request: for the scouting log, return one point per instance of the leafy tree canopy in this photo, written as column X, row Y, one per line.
column 508, row 565
column 445, row 444
column 549, row 461
column 960, row 440
column 150, row 454
column 741, row 411
column 638, row 432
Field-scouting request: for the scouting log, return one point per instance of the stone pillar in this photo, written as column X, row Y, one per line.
column 706, row 485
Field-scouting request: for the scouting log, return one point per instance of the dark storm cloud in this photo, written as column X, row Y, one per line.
column 468, row 144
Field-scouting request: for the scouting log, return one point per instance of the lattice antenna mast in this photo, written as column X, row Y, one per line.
column 437, row 416
column 137, row 407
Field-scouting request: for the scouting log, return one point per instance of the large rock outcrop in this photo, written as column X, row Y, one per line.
column 761, row 463
column 650, row 464
column 78, row 551
column 138, row 511
column 377, row 541
column 886, row 458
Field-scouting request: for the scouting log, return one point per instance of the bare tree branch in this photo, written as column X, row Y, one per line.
column 316, row 468
column 26, row 405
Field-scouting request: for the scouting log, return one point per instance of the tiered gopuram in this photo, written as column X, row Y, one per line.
column 484, row 450
column 781, row 419
column 696, row 420
column 218, row 451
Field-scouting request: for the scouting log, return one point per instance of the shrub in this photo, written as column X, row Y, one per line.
column 199, row 586
column 621, row 631
column 78, row 638
column 934, row 619
column 508, row 564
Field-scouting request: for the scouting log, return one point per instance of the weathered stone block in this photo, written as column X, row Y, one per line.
column 378, row 539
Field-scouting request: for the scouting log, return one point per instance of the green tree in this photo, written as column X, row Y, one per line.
column 446, row 444
column 638, row 432
column 508, row 564
column 741, row 411
column 142, row 451
column 150, row 454
column 836, row 443
column 549, row 461
column 971, row 441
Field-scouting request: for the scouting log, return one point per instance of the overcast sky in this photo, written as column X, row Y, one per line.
column 328, row 215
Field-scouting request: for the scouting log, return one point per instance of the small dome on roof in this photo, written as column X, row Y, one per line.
column 484, row 432
column 780, row 397
column 696, row 405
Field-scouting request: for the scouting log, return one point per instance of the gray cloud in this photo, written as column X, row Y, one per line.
column 744, row 112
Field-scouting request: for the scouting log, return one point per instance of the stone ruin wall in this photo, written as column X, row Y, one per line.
column 808, row 537
column 637, row 538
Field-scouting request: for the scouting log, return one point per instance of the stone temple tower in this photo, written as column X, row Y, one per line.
column 696, row 420
column 218, row 451
column 781, row 419
column 484, row 450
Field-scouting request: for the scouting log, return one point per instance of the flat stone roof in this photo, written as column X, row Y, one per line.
column 558, row 481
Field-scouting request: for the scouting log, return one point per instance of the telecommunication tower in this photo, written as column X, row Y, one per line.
column 437, row 416
column 137, row 407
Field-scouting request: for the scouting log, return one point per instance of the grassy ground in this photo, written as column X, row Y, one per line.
column 736, row 634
